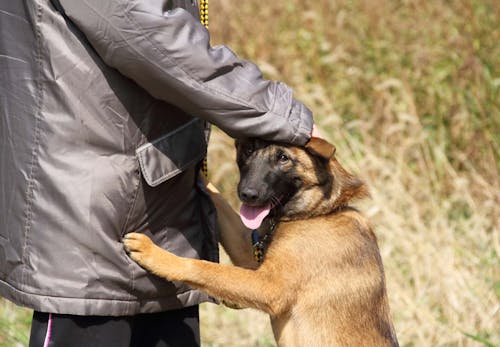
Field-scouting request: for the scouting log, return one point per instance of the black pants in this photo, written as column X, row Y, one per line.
column 179, row 328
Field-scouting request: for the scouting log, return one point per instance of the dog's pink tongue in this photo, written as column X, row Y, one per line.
column 252, row 216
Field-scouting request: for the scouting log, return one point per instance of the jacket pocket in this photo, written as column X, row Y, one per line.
column 169, row 155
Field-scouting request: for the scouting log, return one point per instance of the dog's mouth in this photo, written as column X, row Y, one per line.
column 252, row 216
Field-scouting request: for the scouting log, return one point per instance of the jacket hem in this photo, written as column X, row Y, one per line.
column 101, row 307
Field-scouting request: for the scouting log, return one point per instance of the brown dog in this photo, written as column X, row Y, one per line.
column 321, row 279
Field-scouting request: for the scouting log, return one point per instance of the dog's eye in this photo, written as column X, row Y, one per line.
column 282, row 158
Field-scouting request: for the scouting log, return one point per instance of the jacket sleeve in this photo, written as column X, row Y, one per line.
column 168, row 54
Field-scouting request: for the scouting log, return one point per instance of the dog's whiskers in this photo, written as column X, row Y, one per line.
column 276, row 201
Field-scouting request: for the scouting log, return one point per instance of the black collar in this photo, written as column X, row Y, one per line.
column 259, row 243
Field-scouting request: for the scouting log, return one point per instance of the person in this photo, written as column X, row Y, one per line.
column 103, row 111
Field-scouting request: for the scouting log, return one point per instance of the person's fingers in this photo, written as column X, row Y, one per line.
column 316, row 132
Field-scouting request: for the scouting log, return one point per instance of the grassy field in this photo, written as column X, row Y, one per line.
column 409, row 93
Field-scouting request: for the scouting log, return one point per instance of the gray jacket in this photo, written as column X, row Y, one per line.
column 102, row 110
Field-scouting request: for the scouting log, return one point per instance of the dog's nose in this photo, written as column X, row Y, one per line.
column 249, row 194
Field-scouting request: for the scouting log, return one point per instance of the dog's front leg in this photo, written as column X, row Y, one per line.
column 234, row 236
column 243, row 287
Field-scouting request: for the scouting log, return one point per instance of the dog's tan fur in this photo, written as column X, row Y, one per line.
column 321, row 281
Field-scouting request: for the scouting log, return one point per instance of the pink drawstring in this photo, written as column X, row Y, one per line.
column 49, row 331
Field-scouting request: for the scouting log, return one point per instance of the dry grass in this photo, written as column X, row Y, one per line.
column 409, row 93
column 14, row 325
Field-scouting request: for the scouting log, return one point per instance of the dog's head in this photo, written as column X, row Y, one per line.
column 292, row 182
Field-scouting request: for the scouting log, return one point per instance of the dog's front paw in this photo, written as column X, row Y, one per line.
column 139, row 247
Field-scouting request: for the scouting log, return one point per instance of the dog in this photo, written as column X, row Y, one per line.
column 315, row 267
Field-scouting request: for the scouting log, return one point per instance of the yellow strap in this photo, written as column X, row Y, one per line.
column 204, row 20
column 204, row 12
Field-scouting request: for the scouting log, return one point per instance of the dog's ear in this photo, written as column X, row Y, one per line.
column 320, row 148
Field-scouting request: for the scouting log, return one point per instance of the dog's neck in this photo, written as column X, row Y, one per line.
column 268, row 226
